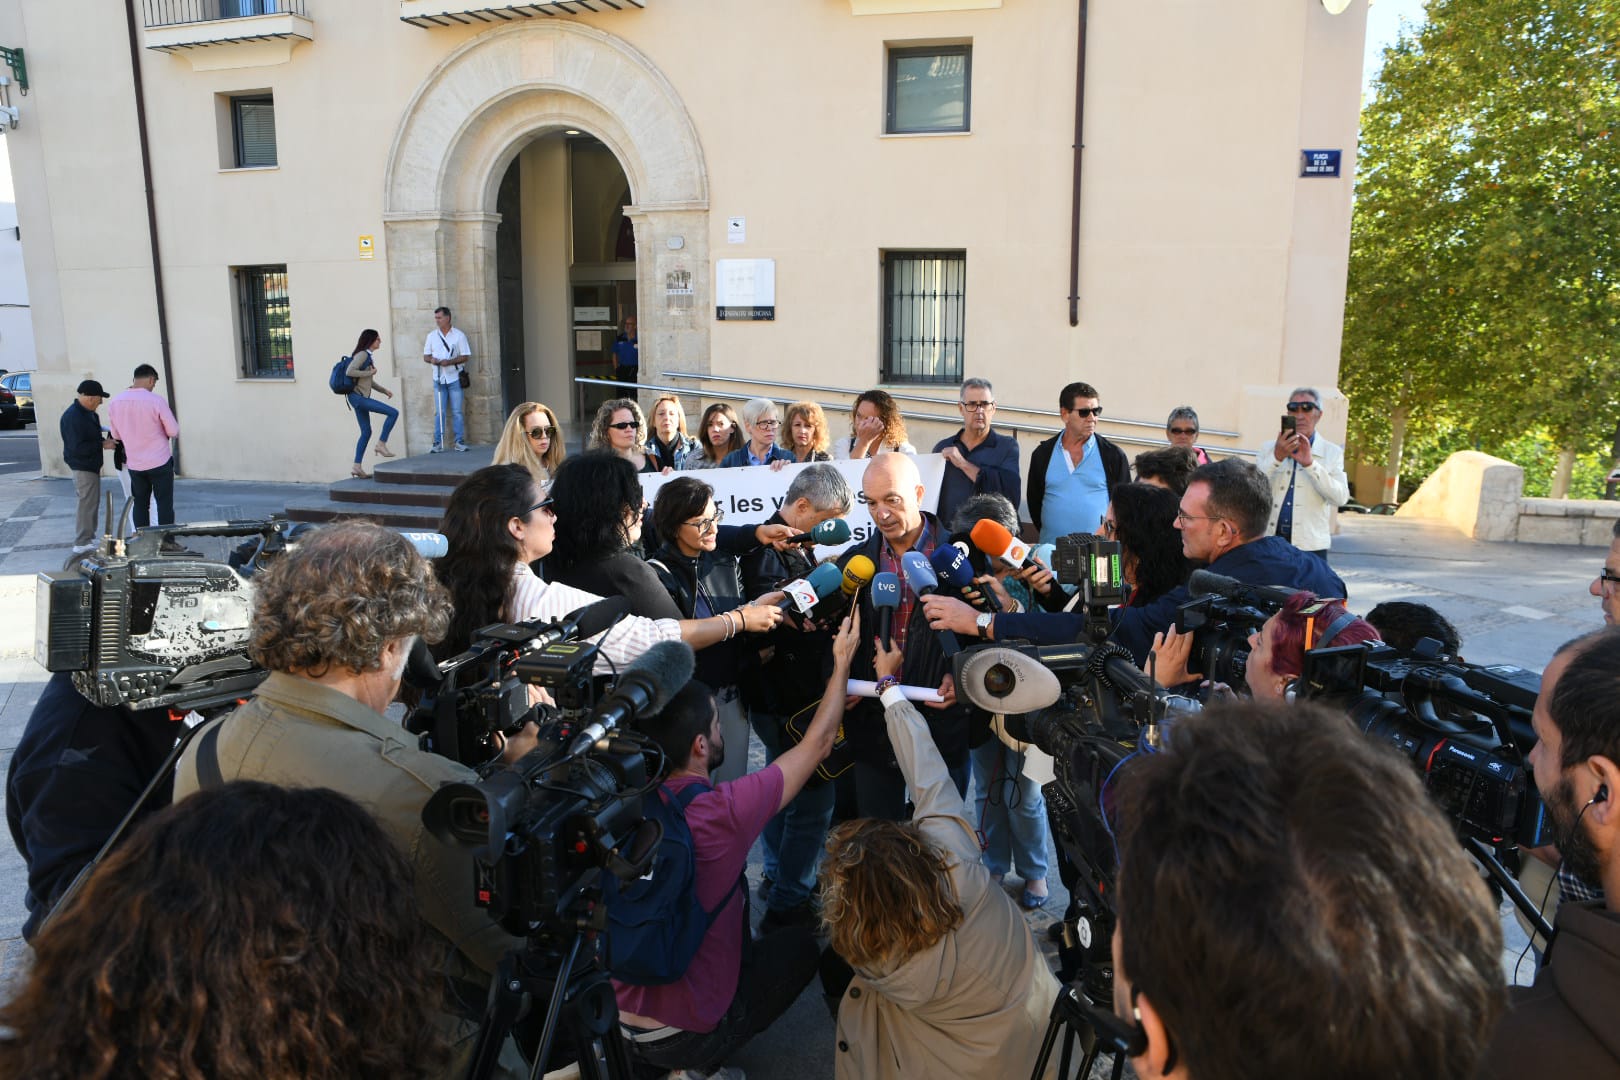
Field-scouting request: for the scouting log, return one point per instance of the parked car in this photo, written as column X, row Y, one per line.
column 21, row 385
column 10, row 414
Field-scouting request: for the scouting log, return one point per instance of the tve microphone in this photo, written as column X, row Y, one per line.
column 830, row 532
column 955, row 572
column 806, row 592
column 429, row 545
column 922, row 579
column 993, row 538
column 643, row 689
column 886, row 601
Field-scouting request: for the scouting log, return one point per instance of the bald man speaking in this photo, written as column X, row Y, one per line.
column 893, row 491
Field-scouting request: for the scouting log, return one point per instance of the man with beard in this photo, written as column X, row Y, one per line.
column 1564, row 1024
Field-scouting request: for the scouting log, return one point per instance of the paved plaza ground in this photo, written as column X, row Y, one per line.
column 1513, row 603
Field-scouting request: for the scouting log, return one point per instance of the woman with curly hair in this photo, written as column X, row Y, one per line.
column 532, row 439
column 620, row 427
column 719, row 434
column 669, row 443
column 947, row 979
column 875, row 428
column 499, row 521
column 245, row 933
column 807, row 438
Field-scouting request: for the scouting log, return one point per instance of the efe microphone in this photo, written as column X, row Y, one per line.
column 954, row 571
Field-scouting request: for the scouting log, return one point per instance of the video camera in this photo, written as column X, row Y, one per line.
column 1092, row 567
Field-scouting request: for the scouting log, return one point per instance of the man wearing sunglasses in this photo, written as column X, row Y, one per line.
column 1306, row 473
column 1606, row 586
column 1069, row 491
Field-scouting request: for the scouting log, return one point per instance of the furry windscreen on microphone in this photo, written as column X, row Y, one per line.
column 662, row 669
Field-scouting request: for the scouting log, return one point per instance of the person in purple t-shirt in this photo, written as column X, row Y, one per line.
column 735, row 986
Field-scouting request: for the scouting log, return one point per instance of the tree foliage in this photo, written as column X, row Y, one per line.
column 1484, row 288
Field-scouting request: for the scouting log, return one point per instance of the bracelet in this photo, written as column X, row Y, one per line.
column 887, row 681
column 731, row 630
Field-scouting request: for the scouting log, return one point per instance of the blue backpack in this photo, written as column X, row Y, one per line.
column 340, row 382
column 655, row 924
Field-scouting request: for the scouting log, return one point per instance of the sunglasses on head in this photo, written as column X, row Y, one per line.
column 1301, row 406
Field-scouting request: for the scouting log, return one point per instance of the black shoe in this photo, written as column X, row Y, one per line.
column 765, row 884
column 781, row 918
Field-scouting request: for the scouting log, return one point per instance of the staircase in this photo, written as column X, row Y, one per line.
column 406, row 493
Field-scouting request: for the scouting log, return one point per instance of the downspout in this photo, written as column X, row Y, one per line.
column 1079, row 152
column 151, row 216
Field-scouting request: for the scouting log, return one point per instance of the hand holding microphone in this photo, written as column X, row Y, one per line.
column 953, row 570
column 829, row 533
column 994, row 539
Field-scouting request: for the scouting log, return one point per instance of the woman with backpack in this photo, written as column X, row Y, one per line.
column 363, row 372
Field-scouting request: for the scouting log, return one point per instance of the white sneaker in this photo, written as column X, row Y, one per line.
column 436, row 449
column 461, row 448
column 80, row 549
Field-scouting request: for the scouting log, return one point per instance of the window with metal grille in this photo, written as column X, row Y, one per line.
column 266, row 320
column 929, row 89
column 924, row 309
column 253, row 128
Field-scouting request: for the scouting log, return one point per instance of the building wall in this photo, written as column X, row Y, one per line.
column 1210, row 272
column 16, row 327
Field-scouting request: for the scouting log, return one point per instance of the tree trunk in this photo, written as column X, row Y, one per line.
column 1392, row 464
column 1562, row 474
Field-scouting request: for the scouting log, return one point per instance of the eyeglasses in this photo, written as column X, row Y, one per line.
column 538, row 433
column 1087, row 412
column 708, row 524
column 767, row 423
column 1182, row 517
column 1608, row 577
column 543, row 504
column 1108, row 526
column 625, row 425
column 1301, row 406
column 978, row 406
column 1184, row 431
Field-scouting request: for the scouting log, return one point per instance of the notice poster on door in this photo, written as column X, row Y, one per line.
column 745, row 290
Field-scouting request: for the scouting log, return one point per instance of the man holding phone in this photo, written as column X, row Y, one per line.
column 1306, row 474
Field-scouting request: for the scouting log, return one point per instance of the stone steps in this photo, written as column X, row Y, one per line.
column 409, row 493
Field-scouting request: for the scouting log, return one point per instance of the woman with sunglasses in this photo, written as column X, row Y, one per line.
column 498, row 522
column 621, row 427
column 669, row 443
column 761, row 421
column 1181, row 428
column 532, row 439
column 703, row 579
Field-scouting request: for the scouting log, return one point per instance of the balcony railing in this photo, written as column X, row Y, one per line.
column 183, row 12
column 429, row 13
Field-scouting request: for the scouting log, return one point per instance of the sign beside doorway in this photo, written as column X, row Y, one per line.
column 745, row 290
column 593, row 315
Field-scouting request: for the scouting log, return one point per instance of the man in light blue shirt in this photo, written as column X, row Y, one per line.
column 1068, row 491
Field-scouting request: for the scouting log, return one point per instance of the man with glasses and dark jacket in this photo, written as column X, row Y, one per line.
column 1069, row 491
column 1306, row 474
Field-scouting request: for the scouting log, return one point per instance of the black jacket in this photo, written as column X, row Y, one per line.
column 1116, row 471
column 81, row 439
column 715, row 576
column 925, row 664
column 793, row 677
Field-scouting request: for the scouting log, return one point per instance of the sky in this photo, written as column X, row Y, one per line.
column 1384, row 19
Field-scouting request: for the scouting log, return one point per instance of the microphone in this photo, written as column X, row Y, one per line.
column 956, row 572
column 886, row 601
column 857, row 572
column 829, row 533
column 806, row 592
column 923, row 581
column 643, row 690
column 1207, row 583
column 586, row 622
column 429, row 545
column 994, row 539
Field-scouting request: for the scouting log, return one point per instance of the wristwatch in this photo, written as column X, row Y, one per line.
column 983, row 623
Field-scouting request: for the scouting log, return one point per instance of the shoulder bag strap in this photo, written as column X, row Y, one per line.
column 207, row 760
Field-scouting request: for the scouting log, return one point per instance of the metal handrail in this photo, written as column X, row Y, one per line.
column 1000, row 407
column 1013, row 427
column 182, row 12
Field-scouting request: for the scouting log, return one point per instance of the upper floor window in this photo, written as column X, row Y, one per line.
column 253, row 130
column 929, row 89
column 264, row 317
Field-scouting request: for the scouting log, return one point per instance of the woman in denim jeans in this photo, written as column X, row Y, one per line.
column 363, row 371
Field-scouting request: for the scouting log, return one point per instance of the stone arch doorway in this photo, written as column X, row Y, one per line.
column 462, row 130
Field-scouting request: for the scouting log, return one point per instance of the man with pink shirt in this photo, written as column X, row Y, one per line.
column 143, row 422
column 735, row 986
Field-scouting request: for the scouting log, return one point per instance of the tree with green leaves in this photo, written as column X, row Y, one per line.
column 1484, row 287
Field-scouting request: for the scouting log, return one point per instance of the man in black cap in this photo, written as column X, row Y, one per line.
column 83, row 446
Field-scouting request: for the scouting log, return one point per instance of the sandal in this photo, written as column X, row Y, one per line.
column 359, row 474
column 1032, row 902
column 383, row 451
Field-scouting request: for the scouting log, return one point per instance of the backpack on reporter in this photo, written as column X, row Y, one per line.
column 655, row 924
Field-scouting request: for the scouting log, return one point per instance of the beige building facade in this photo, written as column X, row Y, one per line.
column 902, row 171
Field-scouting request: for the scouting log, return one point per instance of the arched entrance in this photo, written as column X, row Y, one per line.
column 483, row 105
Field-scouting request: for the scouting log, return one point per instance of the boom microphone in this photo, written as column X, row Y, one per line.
column 1207, row 583
column 829, row 533
column 643, row 690
column 994, row 539
column 886, row 601
column 923, row 581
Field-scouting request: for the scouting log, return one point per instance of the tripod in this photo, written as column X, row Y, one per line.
column 580, row 1003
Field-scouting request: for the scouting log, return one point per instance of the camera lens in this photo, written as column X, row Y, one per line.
column 999, row 680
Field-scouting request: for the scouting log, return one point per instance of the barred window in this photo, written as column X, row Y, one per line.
column 253, row 129
column 924, row 302
column 929, row 89
column 266, row 321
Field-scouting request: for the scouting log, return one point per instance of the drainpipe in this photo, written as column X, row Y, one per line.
column 151, row 215
column 1079, row 151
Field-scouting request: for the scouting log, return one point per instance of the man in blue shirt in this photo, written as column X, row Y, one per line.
column 1069, row 491
column 978, row 461
column 627, row 353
